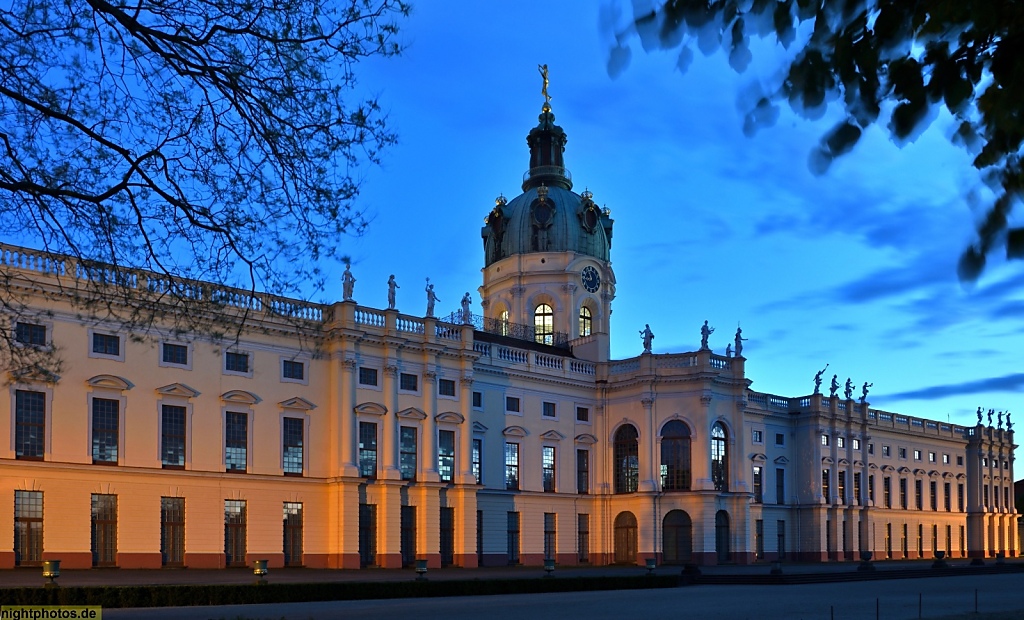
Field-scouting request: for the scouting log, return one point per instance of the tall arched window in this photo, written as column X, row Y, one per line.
column 722, row 536
column 503, row 322
column 719, row 458
column 675, row 456
column 543, row 324
column 627, row 459
column 586, row 321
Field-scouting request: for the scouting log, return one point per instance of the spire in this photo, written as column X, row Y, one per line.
column 546, row 142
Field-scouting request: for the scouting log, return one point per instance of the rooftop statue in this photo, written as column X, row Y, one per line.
column 817, row 379
column 705, row 333
column 467, row 315
column 728, row 350
column 979, row 415
column 544, row 90
column 739, row 341
column 835, row 385
column 348, row 282
column 392, row 285
column 864, row 392
column 431, row 298
column 848, row 391
column 647, row 336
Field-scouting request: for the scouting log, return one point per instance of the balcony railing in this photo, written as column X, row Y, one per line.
column 516, row 331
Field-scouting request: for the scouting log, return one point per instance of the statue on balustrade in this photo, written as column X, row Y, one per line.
column 348, row 282
column 990, row 412
column 1009, row 424
column 648, row 337
column 999, row 418
column 467, row 315
column 979, row 415
column 848, row 391
column 392, row 285
column 739, row 341
column 705, row 333
column 431, row 299
column 728, row 350
column 817, row 379
column 835, row 386
column 864, row 391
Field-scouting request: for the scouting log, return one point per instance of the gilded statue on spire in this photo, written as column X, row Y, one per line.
column 544, row 89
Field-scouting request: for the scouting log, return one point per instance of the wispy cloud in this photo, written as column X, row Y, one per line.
column 1007, row 383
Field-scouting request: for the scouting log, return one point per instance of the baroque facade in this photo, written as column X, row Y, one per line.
column 344, row 436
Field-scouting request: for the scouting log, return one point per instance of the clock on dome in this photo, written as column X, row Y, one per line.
column 590, row 278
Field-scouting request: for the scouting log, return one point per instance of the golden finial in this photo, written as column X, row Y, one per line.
column 544, row 89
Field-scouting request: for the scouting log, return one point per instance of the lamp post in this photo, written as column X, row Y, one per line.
column 51, row 570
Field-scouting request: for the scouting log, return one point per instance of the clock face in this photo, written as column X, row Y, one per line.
column 590, row 278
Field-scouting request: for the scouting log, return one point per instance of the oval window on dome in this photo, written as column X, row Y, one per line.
column 543, row 212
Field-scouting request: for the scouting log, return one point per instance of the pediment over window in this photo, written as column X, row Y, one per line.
column 297, row 402
column 904, row 470
column 888, row 468
column 449, row 417
column 827, row 461
column 177, row 389
column 947, row 474
column 33, row 374
column 757, row 457
column 961, row 476
column 110, row 382
column 933, row 474
column 844, row 462
column 412, row 413
column 515, row 431
column 479, row 428
column 781, row 460
column 552, row 435
column 586, row 438
column 920, row 472
column 858, row 463
column 240, row 397
column 369, row 408
column 872, row 466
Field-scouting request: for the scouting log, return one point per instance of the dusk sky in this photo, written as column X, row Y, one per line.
column 855, row 268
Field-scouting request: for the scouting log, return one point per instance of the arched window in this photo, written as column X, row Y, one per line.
column 675, row 456
column 627, row 459
column 543, row 324
column 719, row 458
column 722, row 537
column 625, row 538
column 586, row 321
column 677, row 537
column 503, row 322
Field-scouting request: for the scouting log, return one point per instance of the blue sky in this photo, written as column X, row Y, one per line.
column 855, row 268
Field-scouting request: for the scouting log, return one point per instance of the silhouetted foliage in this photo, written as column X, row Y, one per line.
column 890, row 61
column 213, row 140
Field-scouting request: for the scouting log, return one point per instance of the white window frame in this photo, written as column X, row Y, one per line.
column 298, row 359
column 235, row 373
column 104, row 356
column 188, row 355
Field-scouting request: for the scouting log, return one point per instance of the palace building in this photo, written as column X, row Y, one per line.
column 343, row 436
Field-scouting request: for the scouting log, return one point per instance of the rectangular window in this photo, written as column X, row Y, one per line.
column 758, row 488
column 888, row 541
column 105, row 419
column 292, row 446
column 446, row 535
column 780, row 532
column 920, row 540
column 512, row 533
column 28, row 528
column 172, row 437
column 550, row 535
column 947, row 496
column 29, row 424
column 446, row 387
column 840, row 442
column 106, row 344
column 172, row 531
column 104, row 530
column 960, row 460
column 583, row 538
column 903, row 541
column 933, row 492
column 236, row 362
column 478, row 400
column 824, row 440
column 367, row 535
column 583, row 471
column 293, row 533
column 931, row 457
column 582, row 414
column 917, row 455
column 919, row 494
column 826, row 476
column 175, row 354
column 857, row 497
column 293, row 370
column 871, row 488
column 367, row 376
column 236, row 441
column 856, row 444
column 446, row 455
column 780, row 439
column 887, row 491
column 234, row 532
column 985, row 502
column 903, row 493
column 871, row 448
column 511, row 466
column 368, row 449
column 841, row 487
column 902, row 452
column 757, row 436
column 780, row 486
column 478, row 449
column 886, row 451
column 408, row 382
column 479, row 537
column 30, row 334
column 512, row 404
column 548, row 410
column 759, row 539
column 407, row 535
column 407, row 452
column 548, row 468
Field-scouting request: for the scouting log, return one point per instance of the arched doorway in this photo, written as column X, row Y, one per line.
column 677, row 538
column 625, row 538
column 722, row 536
